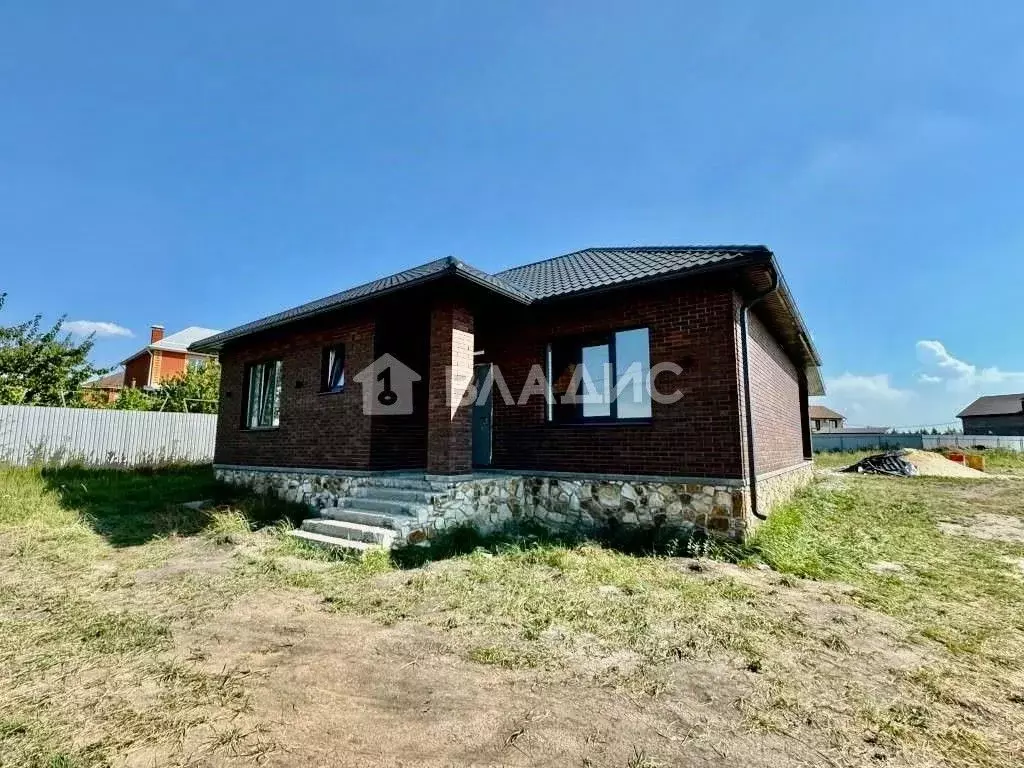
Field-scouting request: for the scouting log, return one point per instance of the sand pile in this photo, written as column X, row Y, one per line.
column 937, row 465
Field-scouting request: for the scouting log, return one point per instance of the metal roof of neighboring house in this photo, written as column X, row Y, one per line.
column 573, row 274
column 180, row 341
column 113, row 380
column 177, row 342
column 994, row 405
column 821, row 412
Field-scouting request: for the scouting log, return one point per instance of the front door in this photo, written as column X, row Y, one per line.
column 483, row 415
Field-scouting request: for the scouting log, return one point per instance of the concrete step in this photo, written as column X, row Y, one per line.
column 387, row 506
column 342, row 529
column 332, row 542
column 383, row 493
column 366, row 517
column 399, row 482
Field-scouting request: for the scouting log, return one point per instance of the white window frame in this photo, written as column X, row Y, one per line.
column 263, row 400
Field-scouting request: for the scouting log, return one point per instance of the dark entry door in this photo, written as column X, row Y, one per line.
column 483, row 415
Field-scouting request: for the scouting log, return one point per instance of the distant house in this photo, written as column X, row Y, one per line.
column 994, row 415
column 105, row 389
column 164, row 356
column 824, row 419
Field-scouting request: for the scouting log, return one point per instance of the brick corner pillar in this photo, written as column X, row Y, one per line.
column 449, row 421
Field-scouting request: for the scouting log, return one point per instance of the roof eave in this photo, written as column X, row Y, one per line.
column 795, row 312
column 454, row 269
column 142, row 351
column 750, row 259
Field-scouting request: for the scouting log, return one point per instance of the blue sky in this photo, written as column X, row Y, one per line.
column 196, row 163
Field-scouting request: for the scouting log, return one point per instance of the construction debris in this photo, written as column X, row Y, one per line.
column 889, row 463
column 909, row 463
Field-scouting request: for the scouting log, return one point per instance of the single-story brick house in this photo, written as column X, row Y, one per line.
column 715, row 324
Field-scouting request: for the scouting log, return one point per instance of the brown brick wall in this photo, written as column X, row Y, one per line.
column 777, row 403
column 449, row 423
column 136, row 371
column 317, row 430
column 402, row 329
column 690, row 324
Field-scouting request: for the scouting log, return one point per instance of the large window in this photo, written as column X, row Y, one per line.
column 332, row 369
column 263, row 409
column 602, row 377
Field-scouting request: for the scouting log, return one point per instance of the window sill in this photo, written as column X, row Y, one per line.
column 641, row 422
column 331, row 391
column 260, row 429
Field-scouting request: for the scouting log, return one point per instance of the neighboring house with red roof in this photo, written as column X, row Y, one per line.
column 825, row 419
column 994, row 415
column 165, row 356
column 105, row 389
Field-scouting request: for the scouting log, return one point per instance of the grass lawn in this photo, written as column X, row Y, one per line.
column 873, row 621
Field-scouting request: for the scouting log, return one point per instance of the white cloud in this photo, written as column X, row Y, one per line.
column 876, row 387
column 959, row 374
column 944, row 386
column 869, row 400
column 935, row 353
column 98, row 327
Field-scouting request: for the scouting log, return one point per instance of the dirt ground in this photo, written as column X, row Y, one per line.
column 227, row 646
column 323, row 688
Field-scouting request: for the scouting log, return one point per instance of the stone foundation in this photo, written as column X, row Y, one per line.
column 775, row 488
column 489, row 501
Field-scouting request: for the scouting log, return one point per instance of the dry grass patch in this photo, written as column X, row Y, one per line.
column 133, row 632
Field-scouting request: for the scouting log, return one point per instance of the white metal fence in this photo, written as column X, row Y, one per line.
column 969, row 441
column 32, row 434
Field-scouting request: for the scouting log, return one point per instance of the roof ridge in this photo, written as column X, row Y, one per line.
column 647, row 248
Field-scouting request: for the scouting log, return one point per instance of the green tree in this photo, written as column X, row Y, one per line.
column 195, row 390
column 40, row 367
column 132, row 399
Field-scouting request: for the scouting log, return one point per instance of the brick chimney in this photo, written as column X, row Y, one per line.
column 156, row 332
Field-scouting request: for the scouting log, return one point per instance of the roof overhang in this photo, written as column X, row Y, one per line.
column 453, row 268
column 757, row 267
column 781, row 311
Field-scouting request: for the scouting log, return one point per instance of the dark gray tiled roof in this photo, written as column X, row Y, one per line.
column 384, row 285
column 994, row 405
column 573, row 273
column 595, row 268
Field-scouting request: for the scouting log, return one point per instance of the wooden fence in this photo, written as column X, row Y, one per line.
column 101, row 438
